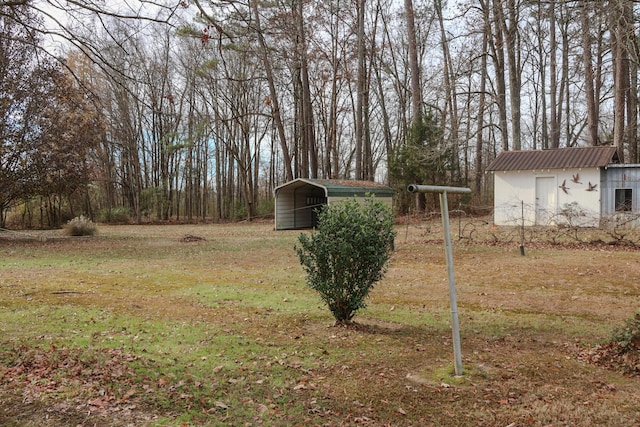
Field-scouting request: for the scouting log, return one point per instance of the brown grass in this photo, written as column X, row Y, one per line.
column 213, row 325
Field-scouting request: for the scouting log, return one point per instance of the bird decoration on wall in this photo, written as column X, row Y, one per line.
column 592, row 187
column 564, row 186
column 576, row 178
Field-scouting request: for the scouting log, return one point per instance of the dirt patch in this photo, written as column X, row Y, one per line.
column 190, row 238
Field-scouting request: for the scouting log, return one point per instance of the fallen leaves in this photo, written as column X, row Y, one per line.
column 301, row 386
column 98, row 381
column 221, row 405
column 99, row 403
column 609, row 356
column 235, row 380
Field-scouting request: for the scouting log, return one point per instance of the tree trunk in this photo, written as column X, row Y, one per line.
column 451, row 97
column 510, row 30
column 497, row 47
column 554, row 125
column 542, row 70
column 621, row 83
column 308, row 127
column 275, row 106
column 632, row 114
column 361, row 87
column 587, row 59
column 414, row 66
column 564, row 100
column 479, row 172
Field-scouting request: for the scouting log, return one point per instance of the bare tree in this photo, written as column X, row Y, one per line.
column 451, row 113
column 590, row 91
column 414, row 67
column 509, row 22
column 482, row 105
column 72, row 23
column 497, row 45
column 257, row 93
column 361, row 87
column 275, row 104
column 554, row 125
column 306, row 119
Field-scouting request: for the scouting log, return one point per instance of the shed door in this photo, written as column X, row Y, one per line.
column 545, row 200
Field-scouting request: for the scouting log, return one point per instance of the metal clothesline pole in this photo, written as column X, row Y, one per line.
column 444, row 209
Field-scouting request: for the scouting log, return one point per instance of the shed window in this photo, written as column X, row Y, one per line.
column 624, row 199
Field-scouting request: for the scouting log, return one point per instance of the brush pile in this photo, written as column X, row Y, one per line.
column 622, row 352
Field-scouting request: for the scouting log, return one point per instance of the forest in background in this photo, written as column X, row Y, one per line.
column 196, row 110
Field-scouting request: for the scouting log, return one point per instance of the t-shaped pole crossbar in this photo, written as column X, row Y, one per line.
column 444, row 209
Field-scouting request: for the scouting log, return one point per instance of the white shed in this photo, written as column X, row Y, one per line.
column 298, row 201
column 549, row 187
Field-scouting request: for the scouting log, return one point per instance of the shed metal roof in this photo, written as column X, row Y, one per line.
column 562, row 158
column 340, row 188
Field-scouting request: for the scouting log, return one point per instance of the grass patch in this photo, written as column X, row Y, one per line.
column 142, row 326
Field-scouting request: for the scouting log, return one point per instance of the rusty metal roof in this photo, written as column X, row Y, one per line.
column 562, row 158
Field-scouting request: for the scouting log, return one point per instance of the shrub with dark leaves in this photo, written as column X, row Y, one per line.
column 347, row 254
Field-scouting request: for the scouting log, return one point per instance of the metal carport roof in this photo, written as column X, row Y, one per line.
column 340, row 188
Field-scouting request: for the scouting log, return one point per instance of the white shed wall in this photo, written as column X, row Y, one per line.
column 515, row 192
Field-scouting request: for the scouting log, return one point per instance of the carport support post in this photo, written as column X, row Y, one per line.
column 444, row 209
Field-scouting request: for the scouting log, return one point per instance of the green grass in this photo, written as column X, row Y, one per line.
column 137, row 326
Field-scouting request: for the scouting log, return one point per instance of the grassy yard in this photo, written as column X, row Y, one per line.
column 213, row 325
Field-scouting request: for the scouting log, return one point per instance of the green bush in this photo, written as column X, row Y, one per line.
column 118, row 215
column 80, row 226
column 347, row 254
column 266, row 208
column 628, row 336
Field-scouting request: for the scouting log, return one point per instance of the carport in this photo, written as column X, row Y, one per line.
column 299, row 201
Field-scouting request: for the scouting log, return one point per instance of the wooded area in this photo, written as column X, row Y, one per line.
column 197, row 110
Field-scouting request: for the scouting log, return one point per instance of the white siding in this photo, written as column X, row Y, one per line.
column 515, row 197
